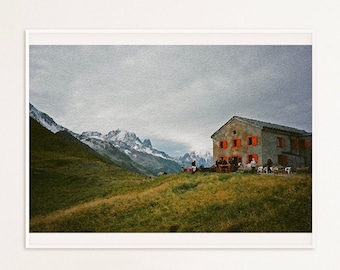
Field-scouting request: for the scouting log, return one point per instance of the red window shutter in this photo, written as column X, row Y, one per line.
column 223, row 144
column 238, row 142
column 251, row 141
column 308, row 143
column 254, row 141
column 283, row 142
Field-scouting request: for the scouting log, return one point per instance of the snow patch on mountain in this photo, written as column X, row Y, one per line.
column 92, row 135
column 127, row 142
column 44, row 119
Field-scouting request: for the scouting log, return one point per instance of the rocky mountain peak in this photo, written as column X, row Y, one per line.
column 147, row 143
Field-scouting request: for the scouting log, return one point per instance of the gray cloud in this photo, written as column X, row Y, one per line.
column 177, row 96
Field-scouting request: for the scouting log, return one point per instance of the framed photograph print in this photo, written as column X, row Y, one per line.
column 169, row 139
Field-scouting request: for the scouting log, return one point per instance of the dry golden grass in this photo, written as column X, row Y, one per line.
column 194, row 203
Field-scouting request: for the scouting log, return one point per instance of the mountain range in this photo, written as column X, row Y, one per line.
column 202, row 159
column 125, row 148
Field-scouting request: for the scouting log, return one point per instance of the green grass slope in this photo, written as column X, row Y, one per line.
column 64, row 174
column 203, row 202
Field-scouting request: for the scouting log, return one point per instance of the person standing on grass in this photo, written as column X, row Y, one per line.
column 253, row 165
column 193, row 166
column 269, row 165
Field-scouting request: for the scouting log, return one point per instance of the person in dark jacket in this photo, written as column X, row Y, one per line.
column 269, row 165
column 193, row 166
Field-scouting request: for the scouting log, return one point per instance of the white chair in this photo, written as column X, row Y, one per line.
column 288, row 170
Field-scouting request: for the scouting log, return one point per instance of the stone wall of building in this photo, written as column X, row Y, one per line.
column 284, row 147
column 236, row 135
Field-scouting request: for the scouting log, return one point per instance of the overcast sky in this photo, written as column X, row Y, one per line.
column 176, row 96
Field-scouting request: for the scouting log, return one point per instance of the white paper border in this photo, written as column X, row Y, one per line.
column 170, row 240
column 169, row 37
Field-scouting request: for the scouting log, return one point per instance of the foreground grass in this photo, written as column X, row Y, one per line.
column 74, row 183
column 207, row 202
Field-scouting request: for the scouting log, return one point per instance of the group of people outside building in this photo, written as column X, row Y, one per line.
column 232, row 166
column 222, row 163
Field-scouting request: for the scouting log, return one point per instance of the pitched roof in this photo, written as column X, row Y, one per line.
column 267, row 125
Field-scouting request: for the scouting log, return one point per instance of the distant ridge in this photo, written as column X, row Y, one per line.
column 44, row 119
column 121, row 147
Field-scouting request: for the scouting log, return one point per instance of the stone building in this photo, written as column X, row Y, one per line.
column 241, row 139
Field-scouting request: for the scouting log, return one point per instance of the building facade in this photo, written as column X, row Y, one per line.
column 241, row 139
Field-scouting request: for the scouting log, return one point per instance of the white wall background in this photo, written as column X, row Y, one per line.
column 18, row 15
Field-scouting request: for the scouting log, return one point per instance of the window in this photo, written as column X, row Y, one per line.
column 295, row 144
column 252, row 156
column 235, row 159
column 236, row 143
column 281, row 142
column 282, row 160
column 308, row 143
column 222, row 144
column 251, row 140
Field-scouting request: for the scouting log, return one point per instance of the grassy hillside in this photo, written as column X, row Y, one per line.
column 157, row 164
column 74, row 190
column 206, row 202
column 64, row 173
